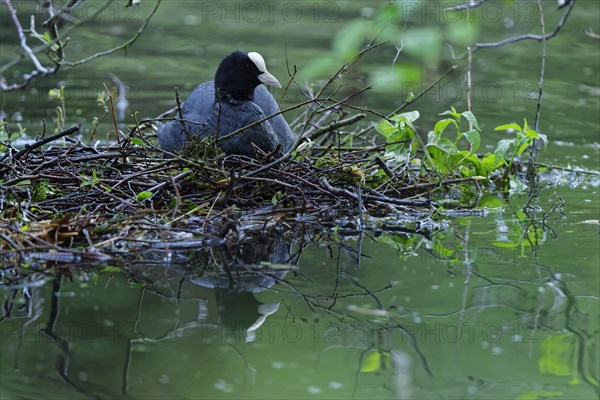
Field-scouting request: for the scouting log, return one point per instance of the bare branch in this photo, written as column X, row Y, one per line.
column 591, row 34
column 39, row 68
column 123, row 46
column 50, row 24
column 23, row 39
column 559, row 26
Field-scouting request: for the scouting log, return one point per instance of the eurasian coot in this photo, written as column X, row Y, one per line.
column 238, row 101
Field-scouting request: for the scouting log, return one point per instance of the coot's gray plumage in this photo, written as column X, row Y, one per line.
column 239, row 100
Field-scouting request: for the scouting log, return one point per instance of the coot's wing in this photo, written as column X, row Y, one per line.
column 200, row 107
column 267, row 103
column 197, row 109
column 230, row 117
column 201, row 101
column 172, row 136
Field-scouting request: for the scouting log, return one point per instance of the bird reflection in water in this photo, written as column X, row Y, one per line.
column 235, row 273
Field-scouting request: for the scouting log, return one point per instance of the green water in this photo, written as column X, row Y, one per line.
column 474, row 311
column 483, row 322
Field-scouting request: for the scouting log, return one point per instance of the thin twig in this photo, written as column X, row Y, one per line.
column 180, row 113
column 336, row 125
column 30, row 147
column 123, row 46
column 561, row 24
column 39, row 68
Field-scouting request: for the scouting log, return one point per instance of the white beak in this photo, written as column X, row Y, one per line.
column 267, row 79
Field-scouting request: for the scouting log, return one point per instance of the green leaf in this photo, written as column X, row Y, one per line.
column 488, row 164
column 444, row 160
column 530, row 133
column 470, row 164
column 490, row 201
column 452, row 112
column 556, row 355
column 523, row 147
column 508, row 127
column 142, row 196
column 87, row 181
column 544, row 139
column 137, row 141
column 441, row 125
column 386, row 128
column 276, row 198
column 403, row 129
column 371, row 362
column 502, row 147
column 398, row 153
column 56, row 94
column 532, row 234
column 471, row 118
column 505, row 245
column 444, row 251
column 447, row 145
column 410, row 116
column 474, row 139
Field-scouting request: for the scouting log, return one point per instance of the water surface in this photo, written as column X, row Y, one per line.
column 478, row 310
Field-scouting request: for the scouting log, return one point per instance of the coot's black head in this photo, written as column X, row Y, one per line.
column 240, row 73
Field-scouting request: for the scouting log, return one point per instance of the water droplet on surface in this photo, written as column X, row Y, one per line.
column 223, row 386
column 509, row 23
column 277, row 365
column 313, row 390
column 517, row 338
column 191, row 20
column 335, row 385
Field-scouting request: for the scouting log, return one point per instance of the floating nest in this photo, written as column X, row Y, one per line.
column 78, row 202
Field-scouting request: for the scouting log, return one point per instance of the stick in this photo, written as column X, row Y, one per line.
column 337, row 124
column 28, row 148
